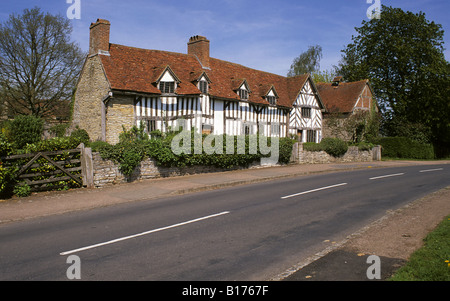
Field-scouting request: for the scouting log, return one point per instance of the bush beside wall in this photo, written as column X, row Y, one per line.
column 405, row 148
column 333, row 146
column 353, row 154
column 135, row 146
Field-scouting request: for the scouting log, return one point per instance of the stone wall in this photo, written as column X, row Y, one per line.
column 353, row 155
column 106, row 172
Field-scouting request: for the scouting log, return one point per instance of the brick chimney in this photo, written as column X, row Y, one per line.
column 199, row 46
column 99, row 36
column 337, row 80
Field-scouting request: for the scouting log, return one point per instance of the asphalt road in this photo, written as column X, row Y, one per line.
column 251, row 232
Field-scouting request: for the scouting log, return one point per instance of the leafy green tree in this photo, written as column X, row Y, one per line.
column 39, row 65
column 307, row 62
column 325, row 76
column 402, row 53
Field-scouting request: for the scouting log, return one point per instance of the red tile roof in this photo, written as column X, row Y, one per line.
column 136, row 70
column 341, row 98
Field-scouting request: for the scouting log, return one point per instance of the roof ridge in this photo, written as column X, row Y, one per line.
column 250, row 68
column 156, row 50
column 186, row 54
column 134, row 69
column 346, row 83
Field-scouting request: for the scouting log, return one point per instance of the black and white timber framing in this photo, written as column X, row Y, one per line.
column 233, row 117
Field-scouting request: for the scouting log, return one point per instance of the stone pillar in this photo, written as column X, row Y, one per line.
column 376, row 153
column 87, row 167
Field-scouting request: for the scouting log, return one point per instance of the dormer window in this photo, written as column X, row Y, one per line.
column 243, row 94
column 167, row 87
column 272, row 100
column 202, row 82
column 241, row 88
column 203, row 86
column 272, row 96
column 167, row 82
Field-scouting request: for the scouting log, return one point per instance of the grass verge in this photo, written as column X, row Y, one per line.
column 432, row 261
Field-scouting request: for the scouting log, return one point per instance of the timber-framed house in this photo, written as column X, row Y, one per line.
column 126, row 86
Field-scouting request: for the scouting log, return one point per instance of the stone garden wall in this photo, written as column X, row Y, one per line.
column 106, row 172
column 352, row 155
column 101, row 172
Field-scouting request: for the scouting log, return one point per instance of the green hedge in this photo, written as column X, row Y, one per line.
column 405, row 148
column 133, row 147
column 333, row 146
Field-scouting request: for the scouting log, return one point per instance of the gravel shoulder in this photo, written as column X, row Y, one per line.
column 393, row 238
column 401, row 232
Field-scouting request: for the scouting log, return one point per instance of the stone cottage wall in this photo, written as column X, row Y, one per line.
column 92, row 88
column 120, row 112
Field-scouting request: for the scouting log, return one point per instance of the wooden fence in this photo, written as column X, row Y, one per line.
column 50, row 170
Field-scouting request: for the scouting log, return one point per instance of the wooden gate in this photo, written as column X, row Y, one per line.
column 48, row 170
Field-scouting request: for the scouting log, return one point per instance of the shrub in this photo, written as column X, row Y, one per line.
column 7, row 180
column 334, row 146
column 25, row 130
column 365, row 146
column 6, row 148
column 80, row 135
column 22, row 190
column 59, row 130
column 133, row 147
column 53, row 144
column 133, row 134
column 313, row 147
column 97, row 145
column 128, row 153
column 286, row 145
column 405, row 148
column 156, row 134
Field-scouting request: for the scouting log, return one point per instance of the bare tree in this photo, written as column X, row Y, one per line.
column 39, row 65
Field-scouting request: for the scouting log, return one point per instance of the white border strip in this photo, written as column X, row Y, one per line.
column 314, row 190
column 143, row 233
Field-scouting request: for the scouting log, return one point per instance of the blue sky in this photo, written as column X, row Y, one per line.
column 263, row 34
